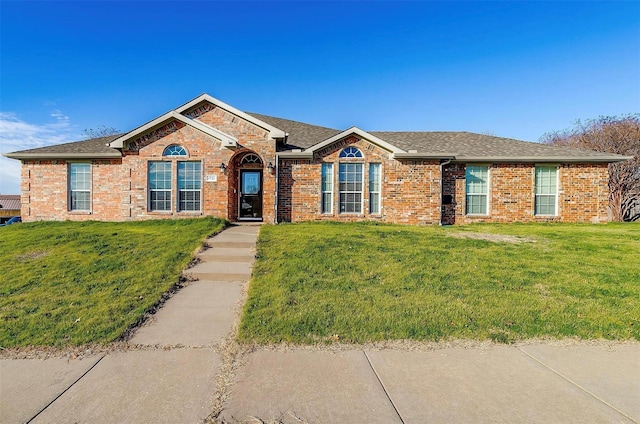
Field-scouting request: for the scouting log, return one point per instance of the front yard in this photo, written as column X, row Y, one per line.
column 319, row 282
column 71, row 283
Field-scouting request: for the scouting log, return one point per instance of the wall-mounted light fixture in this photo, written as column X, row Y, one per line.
column 270, row 167
column 223, row 167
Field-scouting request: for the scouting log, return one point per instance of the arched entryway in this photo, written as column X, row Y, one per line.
column 246, row 189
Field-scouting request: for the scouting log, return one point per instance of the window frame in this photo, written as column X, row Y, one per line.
column 378, row 192
column 71, row 190
column 555, row 188
column 150, row 200
column 485, row 193
column 180, row 191
column 326, row 178
column 342, row 192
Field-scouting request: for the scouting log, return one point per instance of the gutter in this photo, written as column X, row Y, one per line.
column 23, row 156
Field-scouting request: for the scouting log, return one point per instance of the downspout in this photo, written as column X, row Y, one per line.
column 442, row 165
column 277, row 167
column 275, row 206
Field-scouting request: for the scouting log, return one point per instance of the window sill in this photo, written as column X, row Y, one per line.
column 470, row 215
column 79, row 212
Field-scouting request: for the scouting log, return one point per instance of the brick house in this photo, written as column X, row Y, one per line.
column 209, row 158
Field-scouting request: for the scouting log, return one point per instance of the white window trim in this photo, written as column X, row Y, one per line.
column 379, row 192
column 557, row 193
column 322, row 192
column 488, row 194
column 357, row 161
column 149, row 190
column 178, row 191
column 70, row 191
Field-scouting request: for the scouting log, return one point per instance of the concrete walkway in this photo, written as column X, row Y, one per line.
column 169, row 373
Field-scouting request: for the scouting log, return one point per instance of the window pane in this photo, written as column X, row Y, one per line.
column 350, row 185
column 189, row 184
column 327, row 188
column 477, row 189
column 546, row 189
column 374, row 188
column 80, row 186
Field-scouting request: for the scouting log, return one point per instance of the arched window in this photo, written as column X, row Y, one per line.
column 251, row 159
column 350, row 152
column 174, row 151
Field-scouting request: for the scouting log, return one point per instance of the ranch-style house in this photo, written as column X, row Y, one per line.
column 209, row 158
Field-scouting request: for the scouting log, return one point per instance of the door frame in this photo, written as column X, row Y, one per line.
column 241, row 171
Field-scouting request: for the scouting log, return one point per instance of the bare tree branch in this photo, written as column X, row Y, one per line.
column 610, row 134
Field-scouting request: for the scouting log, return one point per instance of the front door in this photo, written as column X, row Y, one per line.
column 250, row 194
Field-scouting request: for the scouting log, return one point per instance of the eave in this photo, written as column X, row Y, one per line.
column 32, row 156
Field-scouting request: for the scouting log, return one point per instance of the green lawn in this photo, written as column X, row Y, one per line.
column 366, row 282
column 70, row 283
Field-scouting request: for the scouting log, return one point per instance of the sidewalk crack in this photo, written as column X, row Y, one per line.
column 65, row 390
column 384, row 389
column 593, row 395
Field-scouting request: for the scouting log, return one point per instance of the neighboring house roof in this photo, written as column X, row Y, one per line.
column 10, row 202
column 307, row 138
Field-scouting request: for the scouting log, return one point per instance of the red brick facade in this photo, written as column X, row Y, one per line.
column 411, row 192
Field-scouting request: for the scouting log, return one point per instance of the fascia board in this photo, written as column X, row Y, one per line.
column 22, row 156
column 118, row 143
column 355, row 130
column 273, row 131
column 544, row 159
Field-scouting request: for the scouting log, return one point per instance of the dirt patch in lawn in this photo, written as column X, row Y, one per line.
column 496, row 238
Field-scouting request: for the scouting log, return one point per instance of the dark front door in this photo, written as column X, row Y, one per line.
column 250, row 194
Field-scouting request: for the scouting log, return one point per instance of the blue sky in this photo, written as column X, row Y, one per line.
column 514, row 69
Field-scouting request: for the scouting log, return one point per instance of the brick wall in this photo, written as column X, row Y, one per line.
column 583, row 194
column 410, row 190
column 119, row 187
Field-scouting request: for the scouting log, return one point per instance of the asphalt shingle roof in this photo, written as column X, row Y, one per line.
column 301, row 135
column 463, row 145
column 95, row 147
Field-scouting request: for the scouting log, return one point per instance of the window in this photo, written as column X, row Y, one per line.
column 350, row 152
column 546, row 190
column 174, row 151
column 327, row 188
column 350, row 184
column 160, row 186
column 374, row 188
column 251, row 159
column 477, row 188
column 189, row 184
column 80, row 186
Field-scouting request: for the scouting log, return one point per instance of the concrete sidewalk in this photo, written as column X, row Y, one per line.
column 169, row 373
column 576, row 383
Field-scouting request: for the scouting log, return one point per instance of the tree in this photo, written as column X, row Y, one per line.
column 610, row 134
column 101, row 131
